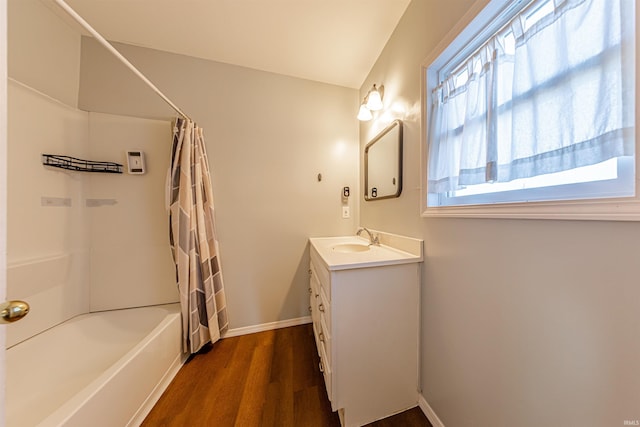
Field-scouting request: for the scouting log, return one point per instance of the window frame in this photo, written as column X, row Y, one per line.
column 469, row 29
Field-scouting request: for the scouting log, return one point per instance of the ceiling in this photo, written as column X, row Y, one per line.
column 331, row 41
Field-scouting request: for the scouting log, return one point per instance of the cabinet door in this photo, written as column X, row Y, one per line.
column 375, row 340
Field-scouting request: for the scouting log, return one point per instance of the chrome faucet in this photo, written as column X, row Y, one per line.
column 373, row 240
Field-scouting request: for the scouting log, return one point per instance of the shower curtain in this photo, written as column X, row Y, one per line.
column 193, row 239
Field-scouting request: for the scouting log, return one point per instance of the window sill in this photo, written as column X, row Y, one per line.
column 602, row 210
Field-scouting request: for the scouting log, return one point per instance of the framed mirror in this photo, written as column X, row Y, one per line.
column 383, row 164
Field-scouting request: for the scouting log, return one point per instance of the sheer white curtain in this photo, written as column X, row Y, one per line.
column 543, row 95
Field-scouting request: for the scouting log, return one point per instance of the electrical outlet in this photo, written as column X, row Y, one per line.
column 345, row 212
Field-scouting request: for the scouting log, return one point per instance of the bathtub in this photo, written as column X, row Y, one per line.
column 99, row 369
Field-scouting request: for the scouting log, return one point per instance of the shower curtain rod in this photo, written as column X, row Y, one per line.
column 117, row 54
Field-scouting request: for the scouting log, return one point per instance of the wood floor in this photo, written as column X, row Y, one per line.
column 265, row 379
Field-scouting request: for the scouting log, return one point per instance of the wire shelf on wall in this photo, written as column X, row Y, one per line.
column 74, row 164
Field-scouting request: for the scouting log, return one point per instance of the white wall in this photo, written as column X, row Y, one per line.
column 268, row 136
column 524, row 322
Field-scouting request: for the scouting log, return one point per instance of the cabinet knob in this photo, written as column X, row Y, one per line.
column 310, row 272
column 321, row 336
column 321, row 307
column 310, row 309
column 321, row 366
column 310, row 290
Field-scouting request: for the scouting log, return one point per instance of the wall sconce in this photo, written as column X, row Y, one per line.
column 372, row 102
column 364, row 114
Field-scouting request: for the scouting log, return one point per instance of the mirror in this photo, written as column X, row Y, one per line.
column 383, row 164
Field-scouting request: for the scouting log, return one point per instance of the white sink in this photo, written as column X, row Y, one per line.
column 348, row 252
column 350, row 247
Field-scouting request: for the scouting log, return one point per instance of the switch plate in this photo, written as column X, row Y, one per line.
column 345, row 212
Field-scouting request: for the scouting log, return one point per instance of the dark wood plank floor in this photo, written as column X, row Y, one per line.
column 265, row 379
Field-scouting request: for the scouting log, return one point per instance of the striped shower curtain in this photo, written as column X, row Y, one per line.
column 193, row 239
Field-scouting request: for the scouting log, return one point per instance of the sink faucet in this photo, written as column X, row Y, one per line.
column 373, row 240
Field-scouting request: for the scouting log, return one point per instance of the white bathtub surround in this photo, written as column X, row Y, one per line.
column 47, row 247
column 100, row 369
column 53, row 287
column 130, row 258
column 77, row 258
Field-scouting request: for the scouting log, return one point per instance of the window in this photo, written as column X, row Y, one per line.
column 534, row 104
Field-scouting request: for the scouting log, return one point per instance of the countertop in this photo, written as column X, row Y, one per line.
column 377, row 255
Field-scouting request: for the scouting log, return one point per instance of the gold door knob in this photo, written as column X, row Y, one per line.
column 11, row 311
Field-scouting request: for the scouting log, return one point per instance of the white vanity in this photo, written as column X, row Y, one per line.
column 364, row 302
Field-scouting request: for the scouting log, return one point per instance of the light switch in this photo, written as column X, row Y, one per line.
column 345, row 212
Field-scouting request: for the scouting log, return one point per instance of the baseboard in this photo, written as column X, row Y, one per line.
column 429, row 412
column 266, row 327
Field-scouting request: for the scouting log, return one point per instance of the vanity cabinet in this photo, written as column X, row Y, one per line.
column 365, row 321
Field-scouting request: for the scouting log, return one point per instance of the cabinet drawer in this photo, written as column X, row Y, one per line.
column 314, row 296
column 321, row 272
column 315, row 315
column 325, row 368
column 323, row 307
column 324, row 341
column 314, row 284
column 316, row 336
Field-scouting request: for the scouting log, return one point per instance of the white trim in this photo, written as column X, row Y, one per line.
column 428, row 72
column 429, row 412
column 607, row 210
column 472, row 13
column 266, row 327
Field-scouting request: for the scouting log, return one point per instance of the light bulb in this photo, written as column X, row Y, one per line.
column 374, row 102
column 364, row 114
